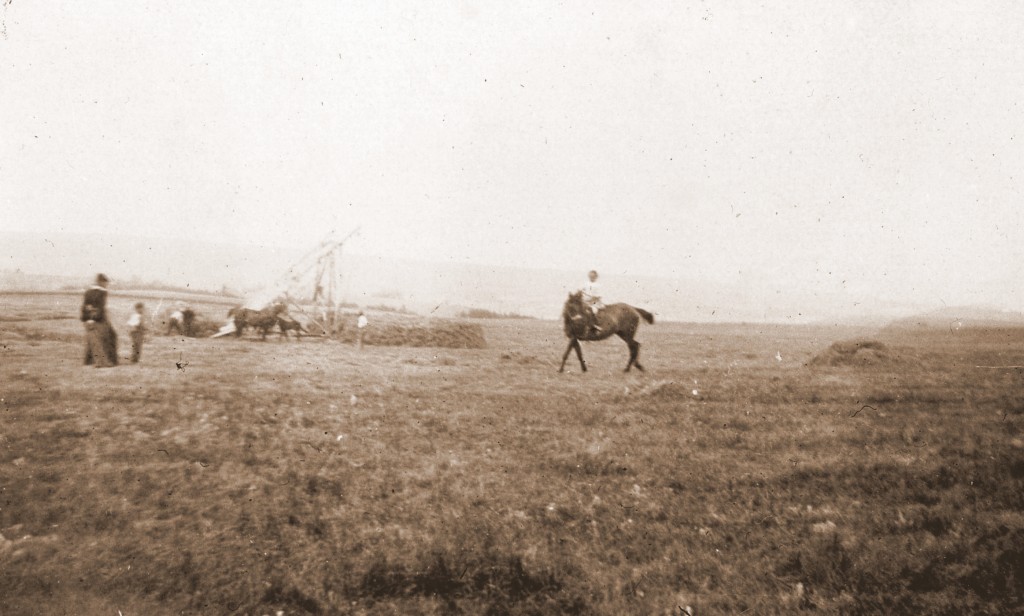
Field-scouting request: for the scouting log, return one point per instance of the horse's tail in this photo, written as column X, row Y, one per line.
column 646, row 315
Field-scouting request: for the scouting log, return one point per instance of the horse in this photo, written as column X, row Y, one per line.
column 242, row 317
column 262, row 320
column 621, row 320
column 286, row 322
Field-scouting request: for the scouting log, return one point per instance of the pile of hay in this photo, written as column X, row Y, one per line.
column 203, row 325
column 855, row 353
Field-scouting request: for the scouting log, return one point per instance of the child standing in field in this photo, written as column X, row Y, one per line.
column 361, row 324
column 137, row 330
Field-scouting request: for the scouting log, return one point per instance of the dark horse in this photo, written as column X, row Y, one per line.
column 241, row 316
column 620, row 320
column 286, row 322
column 261, row 320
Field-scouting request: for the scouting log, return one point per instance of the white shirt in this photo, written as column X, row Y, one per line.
column 135, row 320
column 361, row 321
column 591, row 290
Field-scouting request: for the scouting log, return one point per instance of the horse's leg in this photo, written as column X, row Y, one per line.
column 579, row 353
column 636, row 357
column 634, row 350
column 565, row 355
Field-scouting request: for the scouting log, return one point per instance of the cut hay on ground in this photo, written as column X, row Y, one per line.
column 418, row 333
column 445, row 334
column 393, row 329
column 856, row 353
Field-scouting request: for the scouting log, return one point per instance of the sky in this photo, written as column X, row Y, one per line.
column 869, row 148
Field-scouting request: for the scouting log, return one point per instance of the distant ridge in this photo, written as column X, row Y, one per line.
column 16, row 280
column 36, row 261
column 959, row 317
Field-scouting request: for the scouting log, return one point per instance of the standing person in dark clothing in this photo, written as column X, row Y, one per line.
column 100, row 337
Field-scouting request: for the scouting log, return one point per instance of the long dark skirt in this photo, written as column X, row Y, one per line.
column 100, row 345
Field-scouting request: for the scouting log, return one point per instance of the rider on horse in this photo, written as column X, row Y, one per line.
column 580, row 316
column 591, row 294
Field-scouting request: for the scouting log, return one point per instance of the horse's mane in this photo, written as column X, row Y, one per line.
column 572, row 310
column 573, row 306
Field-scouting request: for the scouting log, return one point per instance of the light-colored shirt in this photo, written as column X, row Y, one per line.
column 135, row 321
column 361, row 321
column 591, row 291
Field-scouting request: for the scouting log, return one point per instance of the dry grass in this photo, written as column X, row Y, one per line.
column 233, row 476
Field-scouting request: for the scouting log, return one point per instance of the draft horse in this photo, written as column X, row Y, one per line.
column 620, row 320
column 260, row 320
column 286, row 322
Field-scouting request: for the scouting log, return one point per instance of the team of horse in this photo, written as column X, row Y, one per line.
column 265, row 319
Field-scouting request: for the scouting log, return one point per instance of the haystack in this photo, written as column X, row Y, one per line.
column 202, row 325
column 856, row 353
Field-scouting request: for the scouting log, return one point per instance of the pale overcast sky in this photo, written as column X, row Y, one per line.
column 868, row 146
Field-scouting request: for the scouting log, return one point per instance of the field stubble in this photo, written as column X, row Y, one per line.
column 234, row 476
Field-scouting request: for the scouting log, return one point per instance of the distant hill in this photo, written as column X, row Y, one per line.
column 17, row 280
column 32, row 261
column 440, row 289
column 960, row 317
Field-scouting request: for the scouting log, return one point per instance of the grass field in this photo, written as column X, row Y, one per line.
column 243, row 477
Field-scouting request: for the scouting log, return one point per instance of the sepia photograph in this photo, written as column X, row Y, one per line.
column 686, row 308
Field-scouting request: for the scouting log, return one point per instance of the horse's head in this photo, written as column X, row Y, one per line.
column 574, row 304
column 573, row 312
